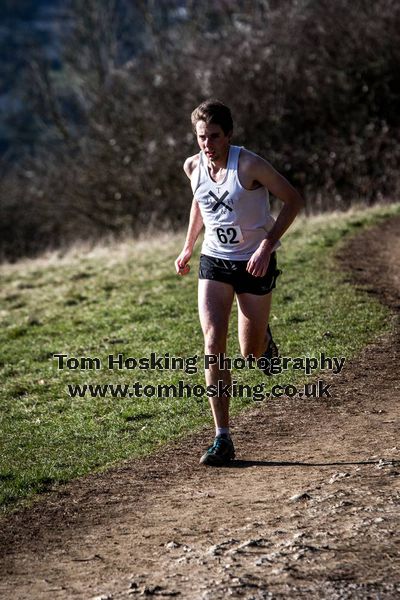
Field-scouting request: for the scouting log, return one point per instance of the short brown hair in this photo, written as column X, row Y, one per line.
column 213, row 111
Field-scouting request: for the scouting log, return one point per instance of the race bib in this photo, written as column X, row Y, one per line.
column 228, row 235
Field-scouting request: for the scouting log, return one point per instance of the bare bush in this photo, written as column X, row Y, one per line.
column 313, row 85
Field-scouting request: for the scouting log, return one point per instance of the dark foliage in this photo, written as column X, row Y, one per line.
column 314, row 87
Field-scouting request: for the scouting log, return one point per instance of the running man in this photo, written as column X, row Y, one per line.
column 230, row 187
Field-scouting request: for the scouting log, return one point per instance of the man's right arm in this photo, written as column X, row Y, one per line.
column 194, row 228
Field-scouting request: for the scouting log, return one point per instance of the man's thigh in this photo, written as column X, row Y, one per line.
column 215, row 304
column 253, row 315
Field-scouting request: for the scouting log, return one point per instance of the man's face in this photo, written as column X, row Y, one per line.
column 212, row 140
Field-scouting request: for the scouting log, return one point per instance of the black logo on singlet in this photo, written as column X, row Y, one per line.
column 220, row 202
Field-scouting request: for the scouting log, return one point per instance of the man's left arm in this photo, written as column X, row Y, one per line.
column 260, row 170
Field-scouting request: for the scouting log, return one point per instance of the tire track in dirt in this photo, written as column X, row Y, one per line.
column 311, row 509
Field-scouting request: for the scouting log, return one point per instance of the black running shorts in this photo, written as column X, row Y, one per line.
column 234, row 272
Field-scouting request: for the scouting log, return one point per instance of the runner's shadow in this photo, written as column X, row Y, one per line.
column 244, row 464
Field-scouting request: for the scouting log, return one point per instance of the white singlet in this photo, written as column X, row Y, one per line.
column 236, row 220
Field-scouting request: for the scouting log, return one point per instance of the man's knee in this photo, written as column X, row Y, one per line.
column 214, row 340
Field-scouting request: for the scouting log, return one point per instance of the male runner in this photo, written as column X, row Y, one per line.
column 230, row 186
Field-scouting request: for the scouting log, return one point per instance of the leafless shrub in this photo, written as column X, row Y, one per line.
column 314, row 87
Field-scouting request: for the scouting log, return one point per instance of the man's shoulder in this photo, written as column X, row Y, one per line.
column 252, row 169
column 249, row 159
column 190, row 164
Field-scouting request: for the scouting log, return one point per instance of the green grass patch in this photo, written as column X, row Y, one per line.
column 127, row 300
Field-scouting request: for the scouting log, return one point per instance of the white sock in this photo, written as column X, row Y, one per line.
column 222, row 431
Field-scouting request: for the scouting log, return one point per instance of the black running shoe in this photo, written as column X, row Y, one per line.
column 220, row 453
column 270, row 352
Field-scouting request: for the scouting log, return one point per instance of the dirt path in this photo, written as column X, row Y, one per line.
column 167, row 527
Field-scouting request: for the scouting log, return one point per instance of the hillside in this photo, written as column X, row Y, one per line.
column 308, row 509
column 127, row 301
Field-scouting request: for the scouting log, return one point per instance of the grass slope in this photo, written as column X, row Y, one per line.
column 127, row 300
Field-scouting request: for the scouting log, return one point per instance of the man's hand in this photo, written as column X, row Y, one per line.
column 182, row 262
column 259, row 261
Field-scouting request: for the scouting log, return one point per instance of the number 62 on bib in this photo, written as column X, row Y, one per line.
column 228, row 235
